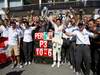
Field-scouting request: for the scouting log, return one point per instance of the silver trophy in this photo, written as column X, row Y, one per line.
column 44, row 11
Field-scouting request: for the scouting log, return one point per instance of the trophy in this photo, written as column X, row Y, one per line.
column 44, row 11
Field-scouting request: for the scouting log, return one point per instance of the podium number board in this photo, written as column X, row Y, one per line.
column 42, row 44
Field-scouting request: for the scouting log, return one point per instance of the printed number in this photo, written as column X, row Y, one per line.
column 41, row 52
column 45, row 44
column 49, row 52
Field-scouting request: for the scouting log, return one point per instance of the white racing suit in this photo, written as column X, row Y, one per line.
column 57, row 44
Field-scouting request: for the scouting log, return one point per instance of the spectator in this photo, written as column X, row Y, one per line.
column 28, row 43
column 13, row 45
column 82, row 49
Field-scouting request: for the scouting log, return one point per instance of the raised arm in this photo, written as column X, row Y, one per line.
column 51, row 20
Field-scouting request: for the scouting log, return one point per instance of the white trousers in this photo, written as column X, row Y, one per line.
column 56, row 52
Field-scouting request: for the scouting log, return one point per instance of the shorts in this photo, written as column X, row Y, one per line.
column 13, row 50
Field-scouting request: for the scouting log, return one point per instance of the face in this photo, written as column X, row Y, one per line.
column 13, row 25
column 36, row 18
column 85, row 19
column 58, row 22
column 26, row 25
column 91, row 24
column 73, row 21
column 98, row 22
column 36, row 23
column 81, row 28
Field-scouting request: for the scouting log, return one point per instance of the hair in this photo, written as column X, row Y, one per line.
column 80, row 24
column 26, row 22
column 59, row 20
column 98, row 18
column 92, row 20
column 12, row 22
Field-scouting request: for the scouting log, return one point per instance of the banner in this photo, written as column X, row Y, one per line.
column 43, row 44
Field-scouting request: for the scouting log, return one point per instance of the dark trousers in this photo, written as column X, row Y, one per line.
column 27, row 49
column 65, row 50
column 21, row 51
column 72, row 53
column 98, row 65
column 64, row 55
column 95, row 54
column 97, row 59
column 83, row 55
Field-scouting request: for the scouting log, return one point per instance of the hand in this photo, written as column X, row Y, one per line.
column 49, row 18
column 95, row 35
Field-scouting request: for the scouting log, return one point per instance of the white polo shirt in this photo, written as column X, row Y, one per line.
column 28, row 34
column 58, row 34
column 71, row 29
column 82, row 37
column 12, row 36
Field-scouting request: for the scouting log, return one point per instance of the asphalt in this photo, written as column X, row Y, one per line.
column 37, row 69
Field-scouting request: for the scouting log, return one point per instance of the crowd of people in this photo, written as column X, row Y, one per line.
column 76, row 41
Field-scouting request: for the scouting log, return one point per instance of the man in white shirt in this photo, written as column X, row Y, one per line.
column 71, row 50
column 82, row 52
column 13, row 45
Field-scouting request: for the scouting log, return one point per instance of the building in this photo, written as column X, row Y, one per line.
column 45, row 1
column 37, row 5
column 13, row 3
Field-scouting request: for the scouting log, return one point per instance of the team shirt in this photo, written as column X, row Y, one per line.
column 28, row 34
column 83, row 37
column 13, row 35
column 58, row 33
column 71, row 29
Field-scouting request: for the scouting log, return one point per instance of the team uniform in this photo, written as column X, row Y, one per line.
column 57, row 44
column 13, row 42
column 28, row 44
column 82, row 52
column 71, row 49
